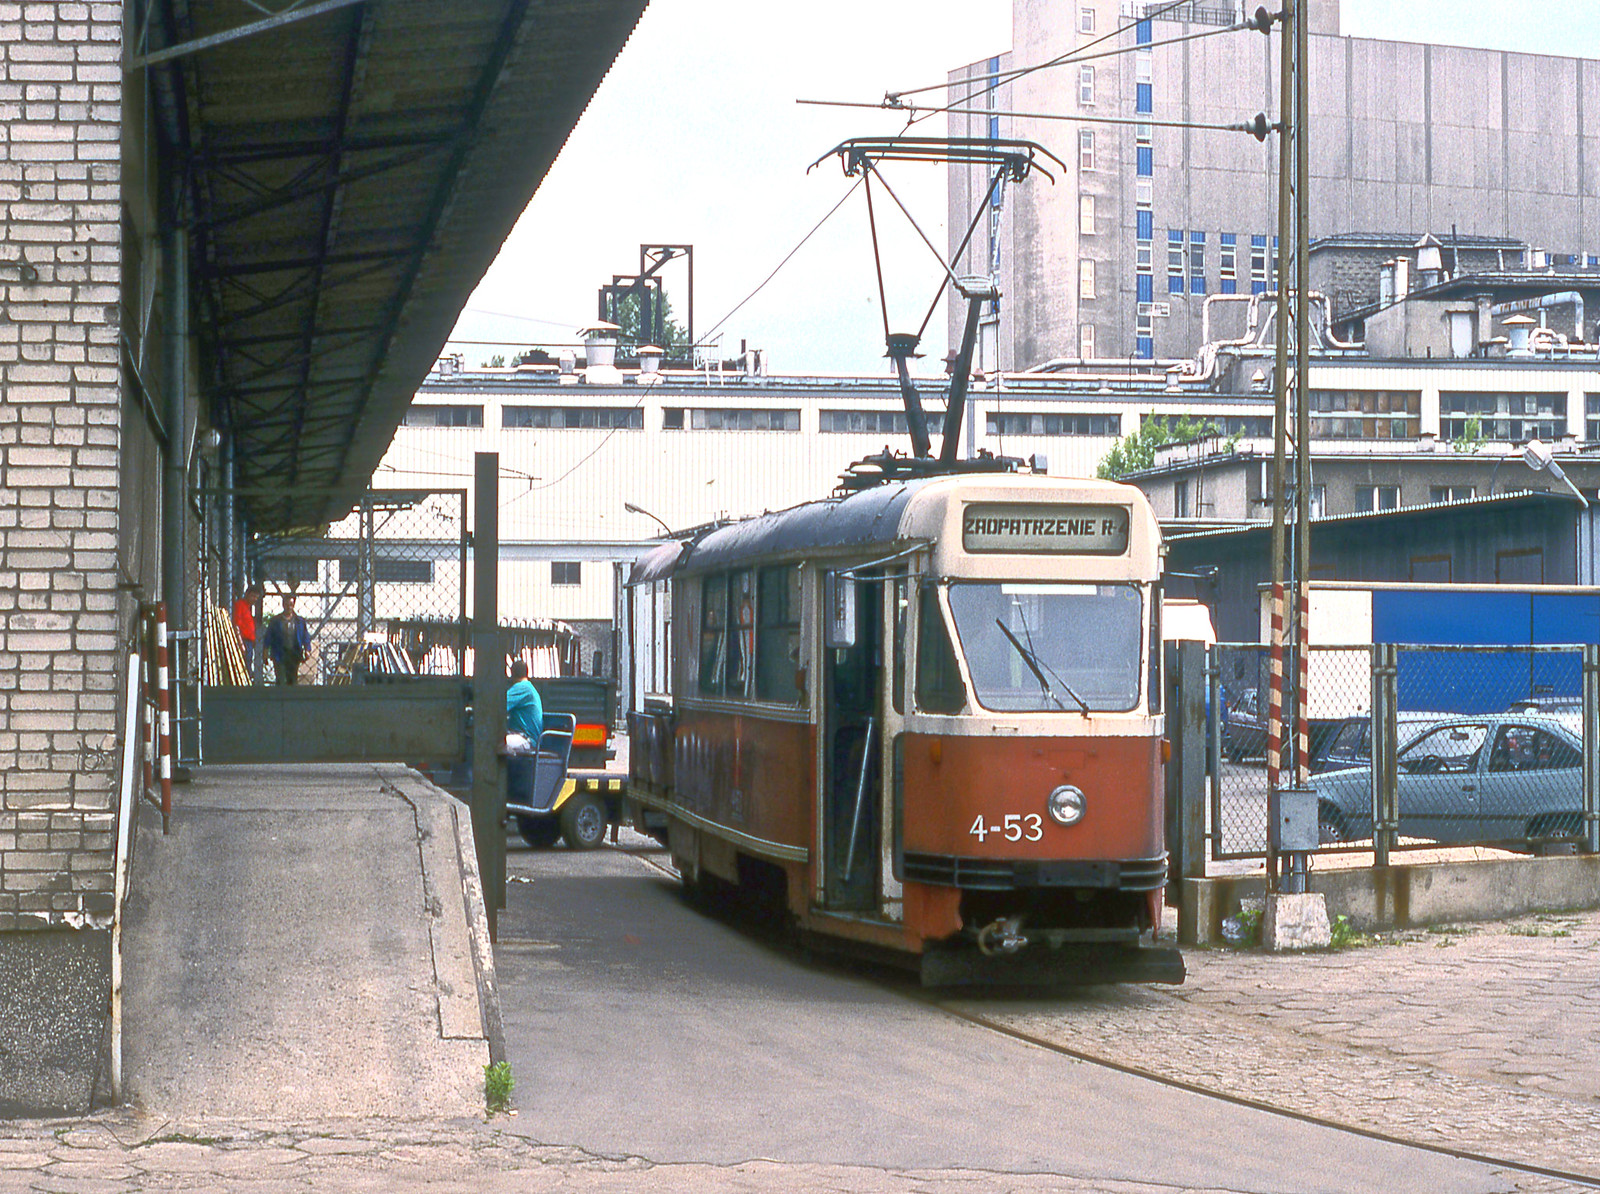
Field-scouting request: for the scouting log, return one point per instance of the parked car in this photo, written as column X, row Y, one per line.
column 1244, row 725
column 1497, row 778
column 1349, row 743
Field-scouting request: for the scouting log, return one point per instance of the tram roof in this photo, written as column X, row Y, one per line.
column 869, row 517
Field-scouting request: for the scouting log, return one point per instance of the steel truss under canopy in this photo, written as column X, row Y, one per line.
column 346, row 170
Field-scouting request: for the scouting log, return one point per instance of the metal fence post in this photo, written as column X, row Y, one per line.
column 1172, row 822
column 1186, row 770
column 488, row 688
column 1385, row 810
column 1214, row 719
column 1196, row 756
column 1591, row 747
column 366, row 599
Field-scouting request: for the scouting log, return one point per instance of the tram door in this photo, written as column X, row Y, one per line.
column 853, row 783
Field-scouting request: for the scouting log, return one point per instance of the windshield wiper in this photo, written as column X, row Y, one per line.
column 1042, row 662
column 1032, row 660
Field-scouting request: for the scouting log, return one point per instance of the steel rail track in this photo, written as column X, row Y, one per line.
column 1588, row 1181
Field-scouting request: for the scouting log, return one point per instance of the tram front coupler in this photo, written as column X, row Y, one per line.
column 1002, row 938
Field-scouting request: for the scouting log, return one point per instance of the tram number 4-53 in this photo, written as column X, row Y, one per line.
column 1014, row 828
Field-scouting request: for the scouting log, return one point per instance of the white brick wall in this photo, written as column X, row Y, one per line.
column 60, row 402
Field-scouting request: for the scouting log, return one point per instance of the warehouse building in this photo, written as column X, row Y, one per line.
column 1487, row 150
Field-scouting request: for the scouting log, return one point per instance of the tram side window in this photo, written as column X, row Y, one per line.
column 939, row 687
column 742, row 640
column 713, row 632
column 778, row 643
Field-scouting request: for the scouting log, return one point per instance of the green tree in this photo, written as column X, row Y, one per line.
column 496, row 362
column 629, row 317
column 1471, row 437
column 1137, row 452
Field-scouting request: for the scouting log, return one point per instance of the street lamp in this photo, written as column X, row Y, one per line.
column 1538, row 456
column 632, row 509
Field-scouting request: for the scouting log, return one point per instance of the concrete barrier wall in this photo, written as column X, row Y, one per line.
column 1407, row 896
column 411, row 722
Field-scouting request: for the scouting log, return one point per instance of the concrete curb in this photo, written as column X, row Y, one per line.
column 452, row 832
column 478, row 926
column 1407, row 895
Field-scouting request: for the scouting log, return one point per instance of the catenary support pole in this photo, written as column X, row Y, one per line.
column 174, row 480
column 1302, row 396
column 1280, row 433
column 488, row 687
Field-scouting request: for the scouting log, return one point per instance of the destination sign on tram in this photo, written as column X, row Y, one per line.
column 1077, row 529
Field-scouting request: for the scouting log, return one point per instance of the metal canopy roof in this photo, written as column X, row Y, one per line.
column 350, row 171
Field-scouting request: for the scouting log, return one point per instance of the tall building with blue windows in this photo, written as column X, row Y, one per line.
column 1158, row 235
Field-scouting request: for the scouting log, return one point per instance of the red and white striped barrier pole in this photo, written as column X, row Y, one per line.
column 164, row 717
column 147, row 699
column 1275, row 691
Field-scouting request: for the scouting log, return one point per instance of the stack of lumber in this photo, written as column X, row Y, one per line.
column 224, row 657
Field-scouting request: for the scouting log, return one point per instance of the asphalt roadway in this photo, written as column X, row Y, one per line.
column 302, row 1018
column 640, row 1026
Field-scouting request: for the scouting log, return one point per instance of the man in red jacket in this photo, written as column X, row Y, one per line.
column 244, row 617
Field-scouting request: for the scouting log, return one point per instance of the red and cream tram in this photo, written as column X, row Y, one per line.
column 925, row 715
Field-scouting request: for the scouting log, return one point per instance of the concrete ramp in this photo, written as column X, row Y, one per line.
column 307, row 942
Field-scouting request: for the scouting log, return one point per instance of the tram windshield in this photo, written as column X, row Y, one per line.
column 1048, row 647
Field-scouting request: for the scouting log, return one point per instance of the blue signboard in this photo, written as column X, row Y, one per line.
column 1485, row 682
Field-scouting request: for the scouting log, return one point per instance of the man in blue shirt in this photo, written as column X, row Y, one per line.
column 524, row 711
column 288, row 642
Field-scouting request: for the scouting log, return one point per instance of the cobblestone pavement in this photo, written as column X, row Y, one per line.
column 120, row 1153
column 1480, row 1038
column 1484, row 1038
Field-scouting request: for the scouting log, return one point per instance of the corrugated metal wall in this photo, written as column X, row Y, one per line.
column 562, row 490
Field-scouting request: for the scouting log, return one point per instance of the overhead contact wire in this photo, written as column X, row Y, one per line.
column 999, row 78
column 780, row 265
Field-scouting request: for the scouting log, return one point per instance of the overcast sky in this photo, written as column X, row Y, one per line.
column 695, row 137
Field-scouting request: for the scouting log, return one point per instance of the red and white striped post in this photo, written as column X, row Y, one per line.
column 1275, row 691
column 164, row 717
column 147, row 700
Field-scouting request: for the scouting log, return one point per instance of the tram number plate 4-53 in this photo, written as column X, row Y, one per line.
column 1014, row 827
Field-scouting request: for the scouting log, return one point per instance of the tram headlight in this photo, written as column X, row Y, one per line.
column 1065, row 805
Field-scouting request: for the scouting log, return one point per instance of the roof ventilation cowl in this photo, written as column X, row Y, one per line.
column 600, row 352
column 650, row 364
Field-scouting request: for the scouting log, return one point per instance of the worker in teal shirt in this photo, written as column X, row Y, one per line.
column 524, row 711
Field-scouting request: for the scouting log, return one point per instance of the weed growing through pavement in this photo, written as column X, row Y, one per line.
column 1343, row 935
column 1249, row 930
column 1537, row 930
column 497, row 1087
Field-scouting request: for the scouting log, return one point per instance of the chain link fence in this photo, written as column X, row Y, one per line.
column 1339, row 686
column 383, row 592
column 1484, row 746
